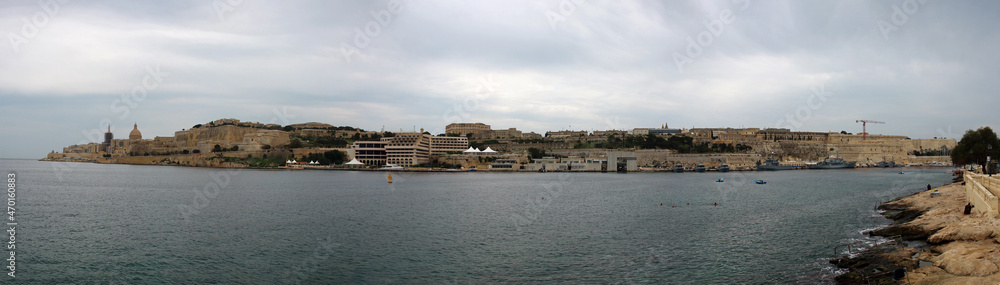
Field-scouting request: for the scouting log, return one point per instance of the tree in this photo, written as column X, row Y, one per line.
column 288, row 128
column 535, row 152
column 975, row 146
column 234, row 148
column 295, row 143
column 217, row 148
column 196, row 151
column 186, row 152
column 335, row 156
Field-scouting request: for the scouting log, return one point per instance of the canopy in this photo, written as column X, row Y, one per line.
column 472, row 149
column 354, row 162
column 489, row 150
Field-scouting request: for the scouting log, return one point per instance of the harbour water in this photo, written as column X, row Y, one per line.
column 128, row 224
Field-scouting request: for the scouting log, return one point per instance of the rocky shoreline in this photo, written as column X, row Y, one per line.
column 933, row 240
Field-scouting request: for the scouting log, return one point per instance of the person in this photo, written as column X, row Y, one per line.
column 928, row 187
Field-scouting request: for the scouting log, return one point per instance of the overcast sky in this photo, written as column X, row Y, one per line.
column 67, row 69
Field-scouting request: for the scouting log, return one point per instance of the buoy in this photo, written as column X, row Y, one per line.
column 661, row 204
column 716, row 204
column 689, row 204
column 543, row 198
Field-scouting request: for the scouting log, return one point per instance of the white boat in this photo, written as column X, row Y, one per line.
column 390, row 166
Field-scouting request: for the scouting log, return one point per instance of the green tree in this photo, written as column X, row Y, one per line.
column 217, row 148
column 295, row 143
column 335, row 156
column 234, row 148
column 975, row 146
column 535, row 152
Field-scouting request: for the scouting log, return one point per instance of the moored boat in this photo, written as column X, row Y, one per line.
column 723, row 168
column 678, row 168
column 773, row 164
column 833, row 163
column 700, row 168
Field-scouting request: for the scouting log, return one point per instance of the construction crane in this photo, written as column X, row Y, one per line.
column 864, row 130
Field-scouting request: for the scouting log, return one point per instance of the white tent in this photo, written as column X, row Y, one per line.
column 488, row 150
column 354, row 162
column 472, row 150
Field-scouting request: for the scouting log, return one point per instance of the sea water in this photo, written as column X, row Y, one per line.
column 129, row 224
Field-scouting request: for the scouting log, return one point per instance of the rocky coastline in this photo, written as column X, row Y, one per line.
column 932, row 239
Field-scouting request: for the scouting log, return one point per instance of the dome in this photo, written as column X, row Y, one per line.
column 135, row 134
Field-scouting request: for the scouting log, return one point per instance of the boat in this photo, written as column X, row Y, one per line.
column 833, row 163
column 773, row 164
column 720, row 180
column 678, row 168
column 758, row 181
column 700, row 168
column 390, row 166
column 723, row 168
column 886, row 164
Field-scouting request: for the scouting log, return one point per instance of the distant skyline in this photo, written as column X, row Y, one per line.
column 68, row 68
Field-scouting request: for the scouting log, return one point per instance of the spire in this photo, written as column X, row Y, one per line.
column 135, row 126
column 109, row 128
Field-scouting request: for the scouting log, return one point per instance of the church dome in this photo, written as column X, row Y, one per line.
column 135, row 134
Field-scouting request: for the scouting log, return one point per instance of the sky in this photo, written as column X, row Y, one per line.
column 68, row 69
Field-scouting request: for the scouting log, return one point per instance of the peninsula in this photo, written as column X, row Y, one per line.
column 233, row 143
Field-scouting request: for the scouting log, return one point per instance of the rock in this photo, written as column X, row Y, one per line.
column 969, row 258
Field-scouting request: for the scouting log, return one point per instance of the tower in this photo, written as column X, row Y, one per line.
column 108, row 136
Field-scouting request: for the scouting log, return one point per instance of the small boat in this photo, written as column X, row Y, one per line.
column 720, row 180
column 900, row 172
column 679, row 168
column 700, row 168
column 758, row 181
column 390, row 177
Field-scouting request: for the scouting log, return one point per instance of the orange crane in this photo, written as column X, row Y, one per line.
column 864, row 131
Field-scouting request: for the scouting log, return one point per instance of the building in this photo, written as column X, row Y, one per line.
column 135, row 134
column 370, row 152
column 463, row 129
column 107, row 140
column 407, row 149
column 444, row 145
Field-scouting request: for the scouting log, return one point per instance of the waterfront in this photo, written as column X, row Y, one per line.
column 90, row 223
